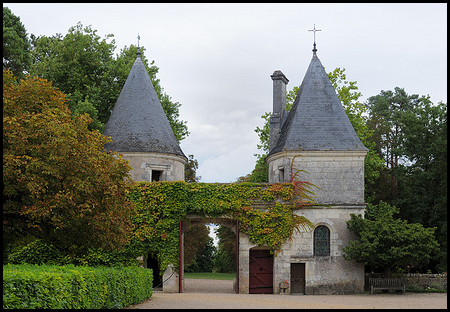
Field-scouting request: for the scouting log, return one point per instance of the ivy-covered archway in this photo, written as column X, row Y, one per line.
column 265, row 212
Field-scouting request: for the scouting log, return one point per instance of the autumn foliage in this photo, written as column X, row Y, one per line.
column 59, row 184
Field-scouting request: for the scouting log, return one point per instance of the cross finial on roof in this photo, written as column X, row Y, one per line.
column 314, row 30
column 138, row 49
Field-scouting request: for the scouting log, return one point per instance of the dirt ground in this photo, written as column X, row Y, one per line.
column 218, row 294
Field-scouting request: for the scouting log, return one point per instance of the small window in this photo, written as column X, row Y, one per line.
column 281, row 175
column 321, row 241
column 156, row 175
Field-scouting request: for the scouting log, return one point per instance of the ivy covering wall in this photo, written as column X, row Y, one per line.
column 265, row 212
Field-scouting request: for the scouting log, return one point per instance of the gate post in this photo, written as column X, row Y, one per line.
column 179, row 260
column 237, row 256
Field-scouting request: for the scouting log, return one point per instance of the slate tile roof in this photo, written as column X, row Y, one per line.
column 138, row 122
column 317, row 120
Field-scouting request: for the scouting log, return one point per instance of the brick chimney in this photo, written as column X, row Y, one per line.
column 279, row 106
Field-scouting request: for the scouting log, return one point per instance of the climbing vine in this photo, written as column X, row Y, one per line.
column 265, row 212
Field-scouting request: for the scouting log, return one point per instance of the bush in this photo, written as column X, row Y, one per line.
column 37, row 252
column 70, row 287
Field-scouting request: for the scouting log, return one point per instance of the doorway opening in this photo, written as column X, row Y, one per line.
column 153, row 263
column 208, row 255
column 298, row 280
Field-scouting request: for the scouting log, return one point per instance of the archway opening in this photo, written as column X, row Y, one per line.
column 208, row 266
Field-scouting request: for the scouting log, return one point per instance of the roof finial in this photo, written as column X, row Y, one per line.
column 138, row 49
column 314, row 30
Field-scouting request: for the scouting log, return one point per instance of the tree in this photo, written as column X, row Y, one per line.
column 385, row 242
column 196, row 249
column 225, row 259
column 410, row 134
column 385, row 114
column 190, row 170
column 59, row 184
column 203, row 261
column 422, row 178
column 80, row 64
column 16, row 45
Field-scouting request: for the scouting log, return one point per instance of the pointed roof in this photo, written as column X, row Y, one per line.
column 138, row 122
column 317, row 120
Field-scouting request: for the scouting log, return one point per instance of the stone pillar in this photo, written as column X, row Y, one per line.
column 170, row 284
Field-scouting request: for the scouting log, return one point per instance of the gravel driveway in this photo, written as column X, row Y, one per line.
column 218, row 294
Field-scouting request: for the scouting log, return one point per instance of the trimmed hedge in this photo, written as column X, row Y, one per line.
column 74, row 287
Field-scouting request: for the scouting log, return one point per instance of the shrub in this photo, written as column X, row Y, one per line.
column 38, row 252
column 68, row 287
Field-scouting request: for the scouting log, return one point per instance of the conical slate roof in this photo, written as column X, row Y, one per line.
column 317, row 120
column 138, row 122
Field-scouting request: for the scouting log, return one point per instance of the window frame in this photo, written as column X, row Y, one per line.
column 321, row 254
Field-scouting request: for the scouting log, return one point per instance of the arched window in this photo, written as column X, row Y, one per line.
column 321, row 241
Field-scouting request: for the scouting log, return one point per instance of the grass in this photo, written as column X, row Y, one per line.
column 216, row 276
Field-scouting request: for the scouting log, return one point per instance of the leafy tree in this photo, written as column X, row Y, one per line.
column 385, row 115
column 59, row 184
column 423, row 176
column 195, row 240
column 225, row 259
column 16, row 45
column 385, row 242
column 410, row 134
column 79, row 64
column 203, row 261
column 196, row 249
column 190, row 170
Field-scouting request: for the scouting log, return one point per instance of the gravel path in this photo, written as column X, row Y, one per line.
column 218, row 294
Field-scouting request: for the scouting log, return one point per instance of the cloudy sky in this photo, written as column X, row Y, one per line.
column 216, row 59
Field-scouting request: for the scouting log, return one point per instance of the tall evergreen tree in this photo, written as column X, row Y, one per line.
column 16, row 45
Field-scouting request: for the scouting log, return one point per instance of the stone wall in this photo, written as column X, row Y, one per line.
column 339, row 174
column 142, row 165
column 324, row 275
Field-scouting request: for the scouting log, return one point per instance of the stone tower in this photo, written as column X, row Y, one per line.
column 318, row 133
column 315, row 142
column 141, row 131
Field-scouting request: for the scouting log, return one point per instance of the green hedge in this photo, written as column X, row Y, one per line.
column 74, row 287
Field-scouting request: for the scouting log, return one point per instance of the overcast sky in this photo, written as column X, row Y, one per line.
column 216, row 59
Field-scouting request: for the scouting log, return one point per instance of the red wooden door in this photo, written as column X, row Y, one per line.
column 261, row 272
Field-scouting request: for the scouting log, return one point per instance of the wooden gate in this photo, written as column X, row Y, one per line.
column 261, row 272
column 297, row 278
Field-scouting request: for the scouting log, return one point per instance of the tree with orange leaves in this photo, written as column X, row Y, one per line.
column 59, row 184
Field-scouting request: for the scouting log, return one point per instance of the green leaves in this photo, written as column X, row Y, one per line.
column 161, row 205
column 16, row 46
column 70, row 287
column 59, row 184
column 385, row 242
